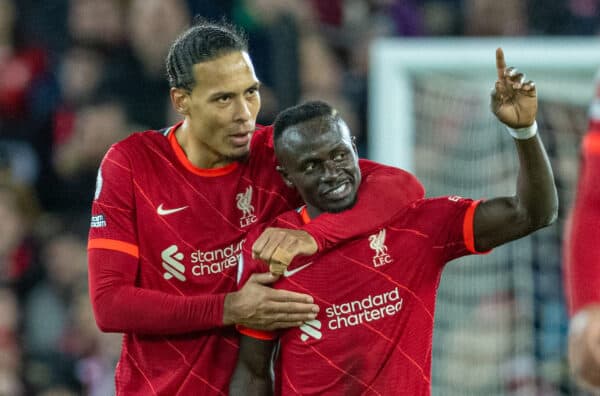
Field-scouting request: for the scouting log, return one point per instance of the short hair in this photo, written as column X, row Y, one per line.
column 200, row 43
column 301, row 113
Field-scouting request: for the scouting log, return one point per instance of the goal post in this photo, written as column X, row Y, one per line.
column 393, row 63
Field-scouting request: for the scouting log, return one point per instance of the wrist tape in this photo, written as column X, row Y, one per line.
column 523, row 133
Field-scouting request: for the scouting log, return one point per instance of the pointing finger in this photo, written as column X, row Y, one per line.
column 500, row 63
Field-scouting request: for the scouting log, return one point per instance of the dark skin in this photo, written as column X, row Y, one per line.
column 318, row 155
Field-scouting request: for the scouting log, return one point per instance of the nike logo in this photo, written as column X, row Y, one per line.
column 163, row 212
column 288, row 273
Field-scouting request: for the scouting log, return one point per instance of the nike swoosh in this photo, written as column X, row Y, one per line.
column 162, row 211
column 288, row 273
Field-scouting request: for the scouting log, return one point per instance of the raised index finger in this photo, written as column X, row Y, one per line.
column 500, row 63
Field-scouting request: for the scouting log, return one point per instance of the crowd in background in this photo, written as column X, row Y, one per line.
column 79, row 75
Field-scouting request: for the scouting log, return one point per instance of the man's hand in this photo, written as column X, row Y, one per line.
column 261, row 307
column 584, row 347
column 514, row 100
column 278, row 246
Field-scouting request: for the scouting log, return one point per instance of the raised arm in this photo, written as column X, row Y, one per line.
column 535, row 205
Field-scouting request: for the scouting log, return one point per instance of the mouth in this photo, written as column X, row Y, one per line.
column 339, row 191
column 240, row 139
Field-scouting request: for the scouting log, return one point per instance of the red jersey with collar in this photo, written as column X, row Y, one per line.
column 373, row 333
column 582, row 242
column 164, row 244
column 183, row 228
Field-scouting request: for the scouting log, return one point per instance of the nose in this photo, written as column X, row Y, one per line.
column 330, row 170
column 243, row 111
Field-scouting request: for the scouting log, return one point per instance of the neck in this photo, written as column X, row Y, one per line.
column 312, row 211
column 198, row 153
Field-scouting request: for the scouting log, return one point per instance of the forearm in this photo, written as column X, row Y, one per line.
column 244, row 382
column 536, row 192
column 251, row 375
column 119, row 306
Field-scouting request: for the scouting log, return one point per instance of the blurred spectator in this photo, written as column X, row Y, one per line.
column 577, row 17
column 49, row 313
column 98, row 353
column 494, row 18
column 76, row 158
column 10, row 353
column 26, row 96
column 139, row 78
column 18, row 254
column 99, row 23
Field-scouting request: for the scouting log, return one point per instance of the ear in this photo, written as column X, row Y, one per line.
column 353, row 139
column 180, row 99
column 284, row 176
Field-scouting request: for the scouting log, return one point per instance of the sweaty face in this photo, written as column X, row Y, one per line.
column 222, row 109
column 319, row 159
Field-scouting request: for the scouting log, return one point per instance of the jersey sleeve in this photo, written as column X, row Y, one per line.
column 582, row 242
column 247, row 265
column 384, row 192
column 448, row 222
column 113, row 261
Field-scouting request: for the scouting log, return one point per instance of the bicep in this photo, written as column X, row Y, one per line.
column 497, row 221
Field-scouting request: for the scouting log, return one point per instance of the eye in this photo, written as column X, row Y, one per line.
column 309, row 166
column 224, row 99
column 252, row 91
column 339, row 156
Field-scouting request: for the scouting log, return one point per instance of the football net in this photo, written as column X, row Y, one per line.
column 501, row 323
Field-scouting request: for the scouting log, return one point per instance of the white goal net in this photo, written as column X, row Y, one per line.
column 500, row 326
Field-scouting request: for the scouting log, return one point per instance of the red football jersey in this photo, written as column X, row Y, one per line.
column 582, row 242
column 186, row 233
column 164, row 244
column 373, row 333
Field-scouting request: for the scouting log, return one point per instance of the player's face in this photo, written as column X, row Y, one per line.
column 320, row 160
column 223, row 106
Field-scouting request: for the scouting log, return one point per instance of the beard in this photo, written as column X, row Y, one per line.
column 339, row 209
column 238, row 157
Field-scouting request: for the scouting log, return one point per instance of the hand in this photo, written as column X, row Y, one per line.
column 278, row 246
column 260, row 307
column 584, row 347
column 514, row 100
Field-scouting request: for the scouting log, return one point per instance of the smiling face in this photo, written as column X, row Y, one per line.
column 220, row 111
column 318, row 158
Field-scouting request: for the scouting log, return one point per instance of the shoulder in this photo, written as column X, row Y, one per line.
column 430, row 211
column 441, row 203
column 374, row 172
column 135, row 145
column 263, row 137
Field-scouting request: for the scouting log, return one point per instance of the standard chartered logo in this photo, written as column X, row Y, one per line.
column 171, row 262
column 368, row 309
column 200, row 262
column 311, row 329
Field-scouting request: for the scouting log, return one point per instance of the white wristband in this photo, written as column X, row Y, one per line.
column 523, row 133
